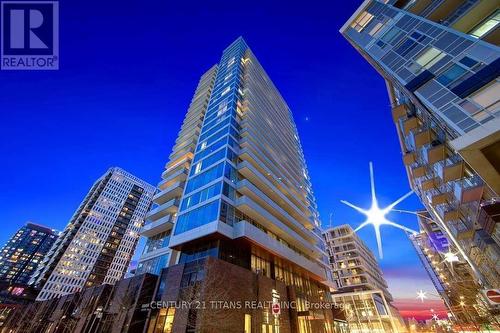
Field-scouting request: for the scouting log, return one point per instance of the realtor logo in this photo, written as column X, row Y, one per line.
column 30, row 35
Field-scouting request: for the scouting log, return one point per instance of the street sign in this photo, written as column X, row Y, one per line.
column 276, row 309
column 492, row 296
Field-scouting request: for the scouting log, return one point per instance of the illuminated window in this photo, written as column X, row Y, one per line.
column 487, row 97
column 225, row 91
column 197, row 168
column 248, row 323
column 486, row 26
column 376, row 29
column 429, row 58
column 362, row 21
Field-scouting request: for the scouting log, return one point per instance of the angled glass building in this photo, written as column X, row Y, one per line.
column 440, row 61
column 98, row 243
column 246, row 212
column 24, row 252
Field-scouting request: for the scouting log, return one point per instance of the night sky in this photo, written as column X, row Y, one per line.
column 127, row 74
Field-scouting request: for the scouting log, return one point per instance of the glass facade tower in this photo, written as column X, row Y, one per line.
column 248, row 173
column 440, row 61
column 98, row 243
column 24, row 252
column 246, row 202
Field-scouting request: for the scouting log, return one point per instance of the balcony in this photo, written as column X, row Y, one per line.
column 429, row 184
column 438, row 198
column 167, row 194
column 399, row 111
column 417, row 7
column 170, row 178
column 247, row 188
column 248, row 169
column 443, row 9
column 181, row 152
column 418, row 172
column 170, row 207
column 434, row 154
column 174, row 164
column 422, row 138
column 489, row 215
column 448, row 213
column 450, row 169
column 469, row 189
column 158, row 226
column 410, row 124
column 271, row 223
column 460, row 231
column 409, row 158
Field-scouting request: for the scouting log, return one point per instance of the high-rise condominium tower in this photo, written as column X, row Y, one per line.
column 440, row 60
column 239, row 194
column 24, row 252
column 160, row 220
column 361, row 289
column 100, row 239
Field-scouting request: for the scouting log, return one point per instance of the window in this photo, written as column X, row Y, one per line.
column 451, row 74
column 197, row 168
column 207, row 162
column 201, row 196
column 225, row 91
column 205, row 178
column 486, row 26
column 362, row 21
column 197, row 217
column 469, row 62
column 248, row 323
column 390, row 35
column 487, row 97
column 376, row 29
column 430, row 57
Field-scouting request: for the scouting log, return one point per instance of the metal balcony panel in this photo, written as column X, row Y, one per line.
column 251, row 173
column 252, row 209
column 248, row 189
column 155, row 227
column 170, row 207
column 173, row 191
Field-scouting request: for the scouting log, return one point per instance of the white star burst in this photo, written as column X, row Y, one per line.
column 376, row 216
column 421, row 295
column 450, row 257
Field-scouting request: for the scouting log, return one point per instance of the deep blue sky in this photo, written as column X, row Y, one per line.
column 127, row 74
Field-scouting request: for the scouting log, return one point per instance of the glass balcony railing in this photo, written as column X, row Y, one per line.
column 447, row 212
column 468, row 189
column 449, row 169
column 432, row 154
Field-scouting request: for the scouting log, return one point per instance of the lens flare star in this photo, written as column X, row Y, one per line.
column 421, row 295
column 376, row 216
column 450, row 257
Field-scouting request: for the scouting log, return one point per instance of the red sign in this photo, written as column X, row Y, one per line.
column 493, row 296
column 276, row 309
